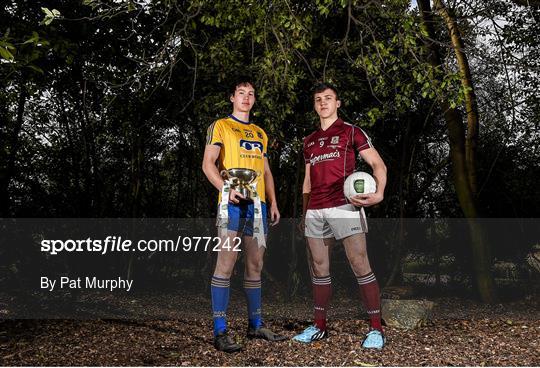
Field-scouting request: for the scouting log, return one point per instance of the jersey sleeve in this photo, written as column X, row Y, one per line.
column 215, row 135
column 360, row 139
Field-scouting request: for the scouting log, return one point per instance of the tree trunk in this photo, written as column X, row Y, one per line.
column 456, row 134
column 471, row 142
column 292, row 277
column 397, row 249
column 137, row 159
column 137, row 162
column 87, row 191
column 8, row 152
column 73, row 176
column 179, row 180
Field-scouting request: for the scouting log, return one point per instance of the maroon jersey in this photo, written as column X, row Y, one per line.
column 331, row 154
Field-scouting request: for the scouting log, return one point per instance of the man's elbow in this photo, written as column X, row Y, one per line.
column 384, row 168
column 267, row 174
column 380, row 166
column 204, row 168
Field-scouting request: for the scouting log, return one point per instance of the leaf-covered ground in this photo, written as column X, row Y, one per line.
column 461, row 332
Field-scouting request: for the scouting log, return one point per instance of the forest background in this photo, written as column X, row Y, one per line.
column 104, row 107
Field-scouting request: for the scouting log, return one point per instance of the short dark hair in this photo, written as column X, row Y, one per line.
column 242, row 80
column 320, row 87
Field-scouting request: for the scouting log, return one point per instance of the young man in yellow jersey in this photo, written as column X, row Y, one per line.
column 234, row 142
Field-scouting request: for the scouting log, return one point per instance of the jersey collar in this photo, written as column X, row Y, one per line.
column 238, row 120
column 336, row 124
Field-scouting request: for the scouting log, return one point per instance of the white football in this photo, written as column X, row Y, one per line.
column 359, row 183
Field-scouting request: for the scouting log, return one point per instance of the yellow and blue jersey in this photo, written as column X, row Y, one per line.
column 243, row 145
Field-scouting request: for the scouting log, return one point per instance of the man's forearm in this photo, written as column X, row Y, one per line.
column 305, row 202
column 379, row 172
column 270, row 188
column 213, row 176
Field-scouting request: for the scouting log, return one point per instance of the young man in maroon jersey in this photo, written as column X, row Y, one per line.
column 330, row 155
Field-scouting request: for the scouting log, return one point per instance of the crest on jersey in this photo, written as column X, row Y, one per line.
column 251, row 145
column 335, row 139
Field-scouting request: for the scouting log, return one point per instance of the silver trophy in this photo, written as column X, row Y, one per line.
column 240, row 180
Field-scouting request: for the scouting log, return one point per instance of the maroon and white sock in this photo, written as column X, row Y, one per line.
column 322, row 292
column 369, row 293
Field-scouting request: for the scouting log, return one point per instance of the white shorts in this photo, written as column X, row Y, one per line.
column 336, row 222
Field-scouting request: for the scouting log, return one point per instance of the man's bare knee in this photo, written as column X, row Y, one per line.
column 360, row 265
column 320, row 267
column 223, row 272
column 225, row 265
column 359, row 258
column 254, row 268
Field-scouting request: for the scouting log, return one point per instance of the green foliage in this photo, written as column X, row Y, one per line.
column 50, row 15
column 6, row 50
column 132, row 86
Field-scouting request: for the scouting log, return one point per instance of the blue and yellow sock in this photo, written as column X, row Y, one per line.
column 220, row 301
column 252, row 289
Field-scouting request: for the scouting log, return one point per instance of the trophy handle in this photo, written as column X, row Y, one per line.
column 257, row 177
column 224, row 174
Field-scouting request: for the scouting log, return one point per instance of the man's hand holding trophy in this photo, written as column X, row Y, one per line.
column 241, row 184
